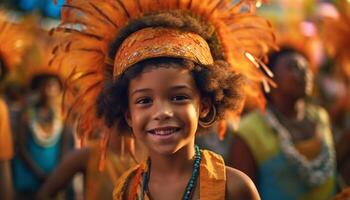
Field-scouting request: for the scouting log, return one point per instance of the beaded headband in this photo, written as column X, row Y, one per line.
column 161, row 42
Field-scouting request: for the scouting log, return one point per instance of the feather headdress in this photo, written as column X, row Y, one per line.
column 92, row 27
column 37, row 61
column 13, row 42
column 336, row 38
column 304, row 39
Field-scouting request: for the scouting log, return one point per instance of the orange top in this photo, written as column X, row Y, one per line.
column 212, row 178
column 6, row 146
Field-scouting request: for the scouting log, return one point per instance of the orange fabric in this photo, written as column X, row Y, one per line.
column 155, row 42
column 212, row 178
column 6, row 146
column 14, row 41
column 99, row 185
column 213, row 174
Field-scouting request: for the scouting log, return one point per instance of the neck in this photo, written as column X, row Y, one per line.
column 46, row 104
column 175, row 164
column 286, row 106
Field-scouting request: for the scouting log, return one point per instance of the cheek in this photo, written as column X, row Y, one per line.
column 192, row 115
column 138, row 119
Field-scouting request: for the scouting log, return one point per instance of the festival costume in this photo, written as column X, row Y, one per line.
column 99, row 48
column 336, row 38
column 13, row 44
column 279, row 174
column 91, row 27
column 46, row 153
column 212, row 173
column 45, row 148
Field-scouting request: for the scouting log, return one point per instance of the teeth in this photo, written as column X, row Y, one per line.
column 163, row 131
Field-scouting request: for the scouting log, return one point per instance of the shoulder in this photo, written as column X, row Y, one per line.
column 317, row 112
column 239, row 186
column 122, row 186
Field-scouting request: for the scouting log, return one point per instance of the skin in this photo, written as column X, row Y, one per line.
column 166, row 100
column 6, row 186
column 60, row 178
column 289, row 68
column 343, row 195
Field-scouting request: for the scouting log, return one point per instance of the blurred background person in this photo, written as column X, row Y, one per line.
column 12, row 46
column 334, row 84
column 43, row 137
column 288, row 151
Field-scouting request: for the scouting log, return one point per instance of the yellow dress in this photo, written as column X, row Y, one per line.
column 212, row 179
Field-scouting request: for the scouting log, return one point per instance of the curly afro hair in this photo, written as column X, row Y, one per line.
column 223, row 87
column 218, row 82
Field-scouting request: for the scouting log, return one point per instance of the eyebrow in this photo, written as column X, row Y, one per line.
column 140, row 91
column 177, row 87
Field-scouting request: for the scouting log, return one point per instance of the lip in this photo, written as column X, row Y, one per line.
column 163, row 131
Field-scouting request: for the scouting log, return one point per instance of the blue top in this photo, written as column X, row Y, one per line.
column 47, row 158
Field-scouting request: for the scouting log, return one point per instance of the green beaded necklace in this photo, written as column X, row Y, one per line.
column 191, row 183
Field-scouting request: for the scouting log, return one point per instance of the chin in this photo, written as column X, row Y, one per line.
column 164, row 149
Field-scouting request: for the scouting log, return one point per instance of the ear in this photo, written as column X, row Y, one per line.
column 205, row 107
column 127, row 117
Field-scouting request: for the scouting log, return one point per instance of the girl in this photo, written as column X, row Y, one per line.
column 161, row 70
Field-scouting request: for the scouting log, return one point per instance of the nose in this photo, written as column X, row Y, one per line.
column 163, row 111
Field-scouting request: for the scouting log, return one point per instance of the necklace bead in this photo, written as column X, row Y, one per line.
column 191, row 183
column 194, row 177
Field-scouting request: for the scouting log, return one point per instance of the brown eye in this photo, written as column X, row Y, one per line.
column 144, row 101
column 180, row 98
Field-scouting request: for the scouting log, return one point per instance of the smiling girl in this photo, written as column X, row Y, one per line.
column 162, row 70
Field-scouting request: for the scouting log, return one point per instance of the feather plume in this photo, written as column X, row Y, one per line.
column 91, row 26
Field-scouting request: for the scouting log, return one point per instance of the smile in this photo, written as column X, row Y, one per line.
column 163, row 131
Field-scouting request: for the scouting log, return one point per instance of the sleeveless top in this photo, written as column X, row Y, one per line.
column 212, row 179
column 277, row 178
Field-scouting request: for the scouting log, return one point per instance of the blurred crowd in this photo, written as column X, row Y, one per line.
column 298, row 144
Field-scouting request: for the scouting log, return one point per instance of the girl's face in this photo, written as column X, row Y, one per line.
column 164, row 108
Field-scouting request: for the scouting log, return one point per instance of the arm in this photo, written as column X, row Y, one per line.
column 239, row 186
column 6, row 188
column 242, row 158
column 72, row 163
column 6, row 153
